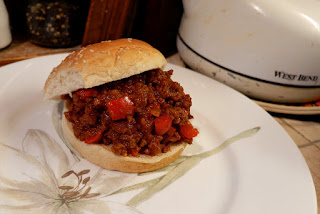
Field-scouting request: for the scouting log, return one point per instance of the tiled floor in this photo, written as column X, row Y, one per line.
column 305, row 132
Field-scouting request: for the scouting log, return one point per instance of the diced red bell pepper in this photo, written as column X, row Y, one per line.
column 94, row 139
column 188, row 131
column 162, row 124
column 83, row 93
column 120, row 108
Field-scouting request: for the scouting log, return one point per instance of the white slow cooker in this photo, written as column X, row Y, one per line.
column 267, row 49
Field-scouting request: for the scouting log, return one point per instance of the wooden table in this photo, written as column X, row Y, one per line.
column 21, row 49
column 305, row 132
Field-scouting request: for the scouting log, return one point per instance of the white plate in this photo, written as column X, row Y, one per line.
column 263, row 173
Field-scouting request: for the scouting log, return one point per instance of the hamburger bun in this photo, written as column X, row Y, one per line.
column 98, row 64
column 101, row 63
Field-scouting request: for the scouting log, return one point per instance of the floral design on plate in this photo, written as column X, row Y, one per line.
column 47, row 180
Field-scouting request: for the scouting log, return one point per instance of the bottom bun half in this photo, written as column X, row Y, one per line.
column 102, row 155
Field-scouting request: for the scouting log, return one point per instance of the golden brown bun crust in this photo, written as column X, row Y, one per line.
column 101, row 63
column 102, row 156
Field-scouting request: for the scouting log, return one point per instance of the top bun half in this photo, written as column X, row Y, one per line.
column 101, row 63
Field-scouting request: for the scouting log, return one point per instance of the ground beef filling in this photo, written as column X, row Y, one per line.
column 143, row 114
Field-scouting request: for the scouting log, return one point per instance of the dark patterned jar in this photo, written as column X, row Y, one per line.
column 56, row 23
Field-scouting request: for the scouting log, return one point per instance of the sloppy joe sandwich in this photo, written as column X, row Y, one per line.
column 122, row 111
